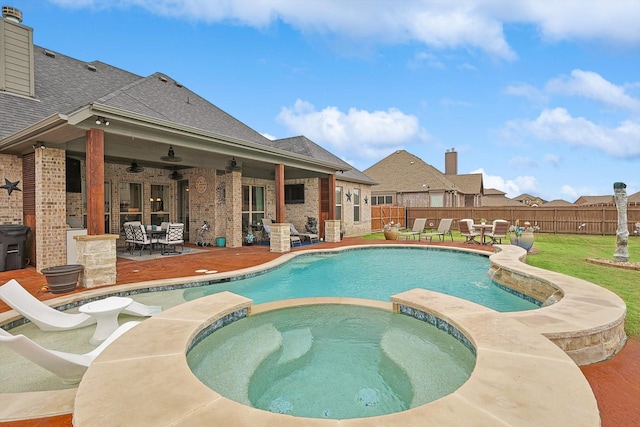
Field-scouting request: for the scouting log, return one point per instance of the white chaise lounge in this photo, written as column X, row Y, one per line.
column 70, row 367
column 50, row 319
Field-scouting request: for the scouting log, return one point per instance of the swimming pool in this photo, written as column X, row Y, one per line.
column 331, row 361
column 375, row 273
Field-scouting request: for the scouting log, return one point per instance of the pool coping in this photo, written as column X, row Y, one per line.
column 520, row 377
column 596, row 312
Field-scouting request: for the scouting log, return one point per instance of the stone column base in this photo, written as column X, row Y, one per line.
column 332, row 230
column 98, row 255
column 280, row 238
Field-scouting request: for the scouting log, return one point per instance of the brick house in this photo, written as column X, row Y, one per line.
column 406, row 180
column 100, row 145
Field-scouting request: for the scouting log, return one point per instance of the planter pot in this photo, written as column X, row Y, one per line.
column 525, row 240
column 391, row 234
column 62, row 278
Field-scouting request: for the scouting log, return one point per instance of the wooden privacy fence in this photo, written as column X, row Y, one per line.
column 384, row 214
column 601, row 220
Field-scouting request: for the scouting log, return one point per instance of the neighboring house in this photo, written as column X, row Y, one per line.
column 557, row 203
column 88, row 142
column 495, row 197
column 595, row 201
column 406, row 180
column 529, row 200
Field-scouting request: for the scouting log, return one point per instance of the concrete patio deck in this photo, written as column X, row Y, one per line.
column 609, row 387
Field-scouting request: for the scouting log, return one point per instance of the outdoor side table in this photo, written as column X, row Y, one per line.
column 106, row 312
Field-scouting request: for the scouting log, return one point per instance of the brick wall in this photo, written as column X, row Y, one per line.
column 11, row 205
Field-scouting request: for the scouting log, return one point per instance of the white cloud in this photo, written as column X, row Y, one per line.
column 557, row 125
column 268, row 136
column 528, row 91
column 512, row 187
column 592, row 85
column 461, row 24
column 552, row 160
column 355, row 133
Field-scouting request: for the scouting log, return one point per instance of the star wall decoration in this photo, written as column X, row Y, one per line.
column 366, row 200
column 348, row 196
column 10, row 186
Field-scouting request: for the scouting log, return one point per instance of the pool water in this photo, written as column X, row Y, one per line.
column 331, row 361
column 375, row 273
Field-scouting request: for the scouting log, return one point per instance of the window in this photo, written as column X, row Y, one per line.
column 381, row 200
column 437, row 200
column 339, row 203
column 130, row 198
column 159, row 202
column 107, row 205
column 356, row 204
column 294, row 194
column 252, row 205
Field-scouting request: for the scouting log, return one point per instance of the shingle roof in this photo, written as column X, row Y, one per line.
column 557, row 202
column 62, row 85
column 304, row 146
column 468, row 183
column 401, row 171
column 595, row 200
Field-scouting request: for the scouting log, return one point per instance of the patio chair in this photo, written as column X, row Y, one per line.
column 312, row 237
column 49, row 319
column 173, row 237
column 418, row 227
column 129, row 238
column 498, row 231
column 141, row 239
column 70, row 367
column 468, row 231
column 444, row 228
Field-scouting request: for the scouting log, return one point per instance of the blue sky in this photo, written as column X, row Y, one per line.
column 542, row 97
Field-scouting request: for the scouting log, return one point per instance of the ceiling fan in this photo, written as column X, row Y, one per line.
column 175, row 175
column 135, row 168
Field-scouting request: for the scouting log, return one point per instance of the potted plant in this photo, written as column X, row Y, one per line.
column 391, row 231
column 522, row 235
column 62, row 278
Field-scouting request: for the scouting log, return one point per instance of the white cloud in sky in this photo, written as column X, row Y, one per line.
column 592, row 85
column 552, row 160
column 527, row 91
column 268, row 136
column 474, row 24
column 355, row 133
column 512, row 187
column 557, row 125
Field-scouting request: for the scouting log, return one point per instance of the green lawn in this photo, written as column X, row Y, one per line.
column 567, row 254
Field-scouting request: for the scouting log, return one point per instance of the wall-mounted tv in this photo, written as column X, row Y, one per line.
column 294, row 194
column 73, row 176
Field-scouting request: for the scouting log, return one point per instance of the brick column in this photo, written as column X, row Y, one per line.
column 280, row 238
column 234, row 209
column 98, row 255
column 332, row 230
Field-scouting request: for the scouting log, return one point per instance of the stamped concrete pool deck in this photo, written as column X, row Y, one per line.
column 597, row 311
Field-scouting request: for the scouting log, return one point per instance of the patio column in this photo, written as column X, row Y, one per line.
column 95, row 181
column 280, row 212
column 332, row 196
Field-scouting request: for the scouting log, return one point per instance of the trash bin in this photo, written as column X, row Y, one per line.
column 13, row 246
column 221, row 242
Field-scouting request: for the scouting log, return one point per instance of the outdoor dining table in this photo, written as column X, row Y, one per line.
column 155, row 234
column 483, row 228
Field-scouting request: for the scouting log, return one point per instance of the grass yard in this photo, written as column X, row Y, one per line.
column 567, row 253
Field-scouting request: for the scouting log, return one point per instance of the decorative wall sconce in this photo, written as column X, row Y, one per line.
column 39, row 145
column 102, row 121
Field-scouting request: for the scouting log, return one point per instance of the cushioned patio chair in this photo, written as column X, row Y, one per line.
column 70, row 367
column 498, row 231
column 444, row 228
column 129, row 237
column 174, row 237
column 468, row 231
column 418, row 227
column 312, row 237
column 49, row 319
column 141, row 239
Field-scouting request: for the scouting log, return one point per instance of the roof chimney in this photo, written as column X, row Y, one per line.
column 451, row 162
column 16, row 54
column 11, row 14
